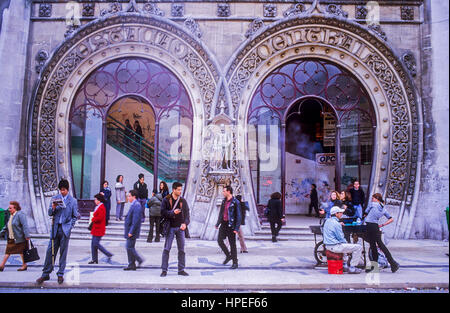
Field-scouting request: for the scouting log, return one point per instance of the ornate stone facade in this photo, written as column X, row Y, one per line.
column 221, row 51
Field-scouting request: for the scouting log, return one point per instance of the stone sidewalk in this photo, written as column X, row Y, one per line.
column 287, row 265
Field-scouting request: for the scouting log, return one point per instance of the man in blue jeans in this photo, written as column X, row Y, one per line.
column 176, row 210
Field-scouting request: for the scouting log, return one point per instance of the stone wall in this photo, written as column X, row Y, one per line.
column 430, row 220
column 13, row 56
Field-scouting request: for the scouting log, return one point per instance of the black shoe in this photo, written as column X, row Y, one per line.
column 368, row 270
column 140, row 263
column 163, row 274
column 157, row 240
column 60, row 280
column 40, row 280
column 274, row 239
column 395, row 267
column 129, row 269
column 183, row 273
column 93, row 262
column 149, row 240
column 227, row 259
column 234, row 266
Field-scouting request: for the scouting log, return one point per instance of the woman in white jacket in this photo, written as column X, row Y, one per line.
column 120, row 197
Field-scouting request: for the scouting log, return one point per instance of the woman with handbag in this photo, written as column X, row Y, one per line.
column 98, row 229
column 16, row 230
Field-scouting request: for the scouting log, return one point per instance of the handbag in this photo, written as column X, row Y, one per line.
column 30, row 254
column 164, row 223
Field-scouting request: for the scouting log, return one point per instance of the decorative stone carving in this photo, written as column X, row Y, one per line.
column 403, row 104
column 410, row 62
column 270, row 10
column 407, row 13
column 335, row 9
column 296, row 9
column 193, row 27
column 254, row 26
column 71, row 28
column 361, row 12
column 150, row 8
column 41, row 57
column 177, row 9
column 45, row 10
column 88, row 9
column 376, row 28
column 113, row 8
column 223, row 10
column 115, row 30
column 221, row 150
column 132, row 7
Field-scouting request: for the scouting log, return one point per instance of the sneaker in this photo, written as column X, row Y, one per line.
column 395, row 267
column 183, row 273
column 163, row 274
column 354, row 270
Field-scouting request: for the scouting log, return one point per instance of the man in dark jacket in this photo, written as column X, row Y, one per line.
column 132, row 230
column 314, row 201
column 358, row 198
column 176, row 210
column 229, row 221
column 142, row 193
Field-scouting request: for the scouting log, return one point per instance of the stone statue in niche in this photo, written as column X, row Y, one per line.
column 221, row 147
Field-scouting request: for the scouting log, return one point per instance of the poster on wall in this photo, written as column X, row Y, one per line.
column 329, row 130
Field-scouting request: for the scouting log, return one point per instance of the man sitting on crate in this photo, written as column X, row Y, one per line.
column 334, row 240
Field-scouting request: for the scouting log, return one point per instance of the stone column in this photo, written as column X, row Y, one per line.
column 13, row 59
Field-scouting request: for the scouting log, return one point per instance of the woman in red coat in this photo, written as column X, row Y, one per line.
column 98, row 229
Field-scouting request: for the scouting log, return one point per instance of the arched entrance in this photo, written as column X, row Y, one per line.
column 312, row 123
column 95, row 44
column 131, row 115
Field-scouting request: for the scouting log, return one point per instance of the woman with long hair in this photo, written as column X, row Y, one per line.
column 120, row 197
column 163, row 189
column 335, row 200
column 374, row 212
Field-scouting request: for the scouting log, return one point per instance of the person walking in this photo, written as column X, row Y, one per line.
column 132, row 224
column 244, row 209
column 229, row 221
column 128, row 133
column 154, row 205
column 176, row 210
column 374, row 212
column 334, row 240
column 138, row 136
column 120, row 197
column 314, row 200
column 275, row 214
column 141, row 187
column 106, row 192
column 358, row 198
column 17, row 234
column 163, row 189
column 98, row 229
column 64, row 212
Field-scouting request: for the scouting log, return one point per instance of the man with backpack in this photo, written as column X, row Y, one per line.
column 229, row 221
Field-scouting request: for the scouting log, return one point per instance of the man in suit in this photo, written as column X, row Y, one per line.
column 142, row 193
column 176, row 210
column 64, row 216
column 229, row 221
column 132, row 230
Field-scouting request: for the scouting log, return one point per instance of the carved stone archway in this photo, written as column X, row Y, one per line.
column 108, row 38
column 397, row 158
